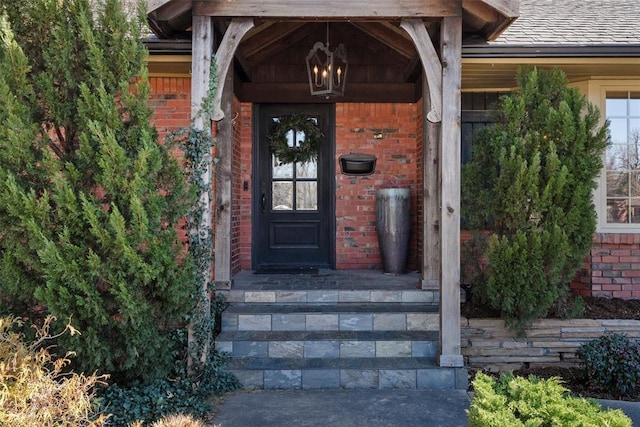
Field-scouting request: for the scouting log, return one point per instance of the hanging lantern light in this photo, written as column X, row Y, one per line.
column 326, row 69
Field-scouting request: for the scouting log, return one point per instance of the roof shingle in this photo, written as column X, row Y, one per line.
column 575, row 22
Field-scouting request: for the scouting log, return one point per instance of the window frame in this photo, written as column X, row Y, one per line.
column 598, row 95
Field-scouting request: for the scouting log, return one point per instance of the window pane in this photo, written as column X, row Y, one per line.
column 281, row 171
column 635, row 211
column 307, row 196
column 618, row 129
column 617, row 157
column 616, row 104
column 617, row 211
column 307, row 170
column 634, row 184
column 282, row 196
column 634, row 131
column 617, row 184
column 634, row 104
column 634, row 155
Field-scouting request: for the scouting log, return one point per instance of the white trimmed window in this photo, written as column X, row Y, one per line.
column 622, row 161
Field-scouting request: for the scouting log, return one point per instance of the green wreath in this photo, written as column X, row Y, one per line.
column 307, row 150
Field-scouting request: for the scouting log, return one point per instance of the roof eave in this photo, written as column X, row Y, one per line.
column 551, row 51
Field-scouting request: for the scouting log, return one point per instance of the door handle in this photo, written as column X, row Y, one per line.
column 264, row 203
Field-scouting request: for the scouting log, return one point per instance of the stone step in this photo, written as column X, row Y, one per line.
column 325, row 344
column 377, row 373
column 331, row 317
column 297, row 296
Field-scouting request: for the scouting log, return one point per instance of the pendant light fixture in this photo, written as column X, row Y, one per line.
column 326, row 69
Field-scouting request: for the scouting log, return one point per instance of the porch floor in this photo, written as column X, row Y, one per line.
column 327, row 280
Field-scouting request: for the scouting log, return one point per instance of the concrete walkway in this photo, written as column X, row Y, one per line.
column 357, row 408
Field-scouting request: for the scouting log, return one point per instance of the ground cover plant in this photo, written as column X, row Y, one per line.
column 527, row 196
column 518, row 401
column 612, row 364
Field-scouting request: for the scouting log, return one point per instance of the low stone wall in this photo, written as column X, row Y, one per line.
column 488, row 344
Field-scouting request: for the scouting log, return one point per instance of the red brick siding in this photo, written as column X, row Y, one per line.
column 171, row 102
column 242, row 169
column 170, row 99
column 612, row 268
column 390, row 132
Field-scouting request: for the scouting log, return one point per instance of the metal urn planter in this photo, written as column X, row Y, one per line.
column 393, row 221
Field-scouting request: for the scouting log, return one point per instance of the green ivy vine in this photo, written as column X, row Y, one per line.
column 197, row 145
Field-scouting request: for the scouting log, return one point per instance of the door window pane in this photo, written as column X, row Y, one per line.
column 307, row 196
column 282, row 196
column 307, row 170
column 281, row 170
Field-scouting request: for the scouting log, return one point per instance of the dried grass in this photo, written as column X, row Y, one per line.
column 35, row 390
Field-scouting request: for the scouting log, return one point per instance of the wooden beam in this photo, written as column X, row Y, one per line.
column 389, row 35
column 259, row 40
column 507, row 8
column 431, row 135
column 480, row 10
column 299, row 93
column 224, row 56
column 327, row 9
column 274, row 48
column 224, row 180
column 430, row 62
column 451, row 48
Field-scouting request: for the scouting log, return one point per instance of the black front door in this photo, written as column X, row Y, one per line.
column 293, row 224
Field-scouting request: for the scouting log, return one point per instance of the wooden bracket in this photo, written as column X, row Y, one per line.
column 430, row 62
column 224, row 57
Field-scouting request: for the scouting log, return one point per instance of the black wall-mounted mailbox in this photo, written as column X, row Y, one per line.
column 358, row 164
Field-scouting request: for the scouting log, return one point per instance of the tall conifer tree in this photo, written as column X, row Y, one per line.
column 530, row 184
column 89, row 199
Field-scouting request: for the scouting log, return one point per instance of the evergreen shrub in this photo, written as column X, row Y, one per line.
column 527, row 195
column 516, row 401
column 90, row 200
column 612, row 364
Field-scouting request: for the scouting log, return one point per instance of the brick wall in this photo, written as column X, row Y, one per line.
column 393, row 132
column 242, row 169
column 171, row 102
column 170, row 99
column 390, row 132
column 612, row 268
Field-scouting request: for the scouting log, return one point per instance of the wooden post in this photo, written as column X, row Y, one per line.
column 224, row 153
column 202, row 48
column 223, row 114
column 451, row 48
column 430, row 196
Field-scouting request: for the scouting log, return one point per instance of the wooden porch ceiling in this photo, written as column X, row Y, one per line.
column 383, row 62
